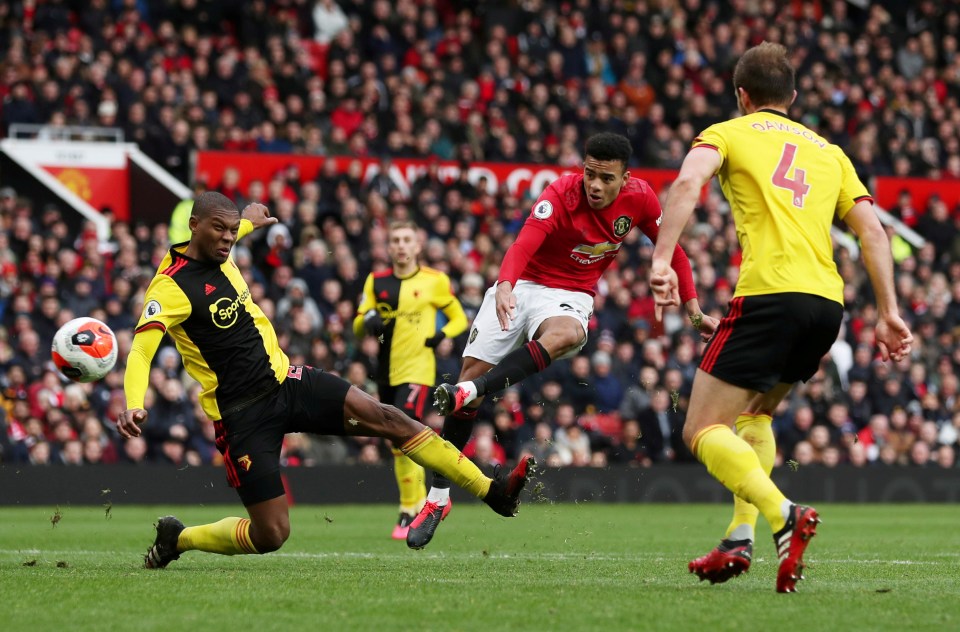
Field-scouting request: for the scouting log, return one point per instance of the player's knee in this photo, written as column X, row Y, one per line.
column 271, row 537
column 394, row 424
column 561, row 341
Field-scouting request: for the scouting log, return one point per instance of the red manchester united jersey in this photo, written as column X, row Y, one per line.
column 567, row 244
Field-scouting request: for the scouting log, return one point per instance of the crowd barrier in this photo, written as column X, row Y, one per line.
column 98, row 485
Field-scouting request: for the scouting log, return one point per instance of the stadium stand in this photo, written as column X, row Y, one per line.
column 470, row 81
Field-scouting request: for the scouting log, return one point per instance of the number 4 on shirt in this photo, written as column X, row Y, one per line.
column 795, row 185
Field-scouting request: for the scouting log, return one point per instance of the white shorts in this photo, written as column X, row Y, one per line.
column 535, row 304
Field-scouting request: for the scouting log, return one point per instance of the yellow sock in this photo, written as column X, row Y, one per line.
column 230, row 536
column 733, row 462
column 430, row 451
column 756, row 430
column 410, row 482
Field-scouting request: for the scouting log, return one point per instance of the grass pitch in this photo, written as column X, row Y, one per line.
column 554, row 567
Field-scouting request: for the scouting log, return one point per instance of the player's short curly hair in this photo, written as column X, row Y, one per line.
column 765, row 73
column 210, row 201
column 609, row 146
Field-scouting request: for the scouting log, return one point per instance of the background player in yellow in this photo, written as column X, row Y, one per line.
column 254, row 396
column 400, row 306
column 784, row 184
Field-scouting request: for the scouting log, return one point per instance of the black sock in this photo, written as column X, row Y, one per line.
column 519, row 364
column 457, row 428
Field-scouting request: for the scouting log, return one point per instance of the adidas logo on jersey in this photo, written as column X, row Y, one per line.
column 208, row 289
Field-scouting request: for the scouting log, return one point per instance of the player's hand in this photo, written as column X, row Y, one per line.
column 373, row 322
column 434, row 341
column 706, row 325
column 129, row 421
column 258, row 214
column 663, row 284
column 893, row 337
column 506, row 304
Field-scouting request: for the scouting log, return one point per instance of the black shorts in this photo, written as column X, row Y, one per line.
column 309, row 400
column 410, row 398
column 773, row 338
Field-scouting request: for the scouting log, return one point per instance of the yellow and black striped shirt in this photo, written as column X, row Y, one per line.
column 226, row 341
column 409, row 309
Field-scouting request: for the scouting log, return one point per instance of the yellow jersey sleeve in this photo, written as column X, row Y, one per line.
column 445, row 301
column 852, row 190
column 164, row 305
column 246, row 227
column 136, row 378
column 367, row 302
column 713, row 138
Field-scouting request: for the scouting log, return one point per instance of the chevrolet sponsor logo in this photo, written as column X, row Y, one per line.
column 596, row 250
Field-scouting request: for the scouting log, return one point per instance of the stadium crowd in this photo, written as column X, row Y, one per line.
column 500, row 81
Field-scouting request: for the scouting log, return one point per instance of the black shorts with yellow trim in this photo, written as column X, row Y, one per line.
column 250, row 438
column 773, row 338
column 410, row 398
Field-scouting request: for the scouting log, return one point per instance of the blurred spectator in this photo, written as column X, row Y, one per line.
column 629, row 450
column 660, row 427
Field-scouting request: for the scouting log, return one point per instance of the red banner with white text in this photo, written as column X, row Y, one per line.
column 519, row 178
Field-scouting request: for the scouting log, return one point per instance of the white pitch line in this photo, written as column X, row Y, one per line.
column 560, row 557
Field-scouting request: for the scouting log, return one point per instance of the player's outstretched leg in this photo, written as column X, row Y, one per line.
column 791, row 541
column 164, row 549
column 230, row 536
column 457, row 429
column 449, row 398
column 504, row 494
column 503, row 497
column 517, row 365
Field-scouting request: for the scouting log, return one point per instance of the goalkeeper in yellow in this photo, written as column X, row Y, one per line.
column 399, row 306
column 254, row 396
column 784, row 184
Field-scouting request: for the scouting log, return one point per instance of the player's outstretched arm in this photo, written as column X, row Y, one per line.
column 893, row 335
column 136, row 379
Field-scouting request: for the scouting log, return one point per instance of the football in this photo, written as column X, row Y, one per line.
column 84, row 349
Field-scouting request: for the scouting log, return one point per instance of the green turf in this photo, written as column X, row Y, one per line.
column 554, row 567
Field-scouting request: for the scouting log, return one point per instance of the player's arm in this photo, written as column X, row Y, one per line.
column 892, row 334
column 136, row 379
column 698, row 167
column 368, row 319
column 447, row 303
column 855, row 208
column 165, row 305
column 534, row 232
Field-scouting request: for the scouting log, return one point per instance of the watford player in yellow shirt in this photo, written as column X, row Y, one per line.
column 784, row 184
column 254, row 396
column 400, row 306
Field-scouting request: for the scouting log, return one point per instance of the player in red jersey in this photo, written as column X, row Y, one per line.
column 542, row 302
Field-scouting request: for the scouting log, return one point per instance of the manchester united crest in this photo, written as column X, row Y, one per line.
column 621, row 226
